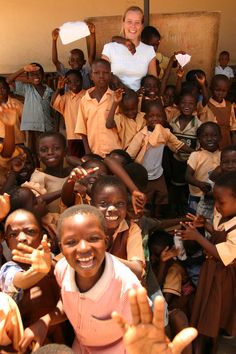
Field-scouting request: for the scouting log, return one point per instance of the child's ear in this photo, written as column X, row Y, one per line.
column 84, row 62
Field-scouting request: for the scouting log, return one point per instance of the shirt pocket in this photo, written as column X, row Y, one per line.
column 102, row 332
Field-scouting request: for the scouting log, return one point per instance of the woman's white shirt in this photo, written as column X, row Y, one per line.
column 130, row 68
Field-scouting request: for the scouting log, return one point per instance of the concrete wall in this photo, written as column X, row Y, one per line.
column 26, row 25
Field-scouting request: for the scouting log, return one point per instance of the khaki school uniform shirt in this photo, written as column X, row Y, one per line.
column 91, row 121
column 68, row 106
column 127, row 128
column 206, row 114
column 143, row 140
column 203, row 162
column 227, row 249
column 134, row 242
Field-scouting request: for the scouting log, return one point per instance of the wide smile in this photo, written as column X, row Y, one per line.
column 112, row 218
column 85, row 262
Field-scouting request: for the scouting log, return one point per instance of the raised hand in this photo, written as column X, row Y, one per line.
column 61, row 82
column 197, row 220
column 5, row 205
column 8, row 114
column 40, row 259
column 118, row 94
column 146, row 335
column 91, row 27
column 180, row 72
column 169, row 253
column 31, row 67
column 138, row 201
column 55, row 34
column 189, row 232
column 201, row 79
column 80, row 173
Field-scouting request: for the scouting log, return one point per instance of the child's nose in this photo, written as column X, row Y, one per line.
column 111, row 208
column 22, row 237
column 83, row 246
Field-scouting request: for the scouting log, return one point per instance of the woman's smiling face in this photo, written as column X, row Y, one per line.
column 133, row 25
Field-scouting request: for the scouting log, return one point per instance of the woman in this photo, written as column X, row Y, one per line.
column 130, row 58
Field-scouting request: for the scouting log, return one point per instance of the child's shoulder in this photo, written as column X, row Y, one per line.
column 61, row 268
column 122, row 272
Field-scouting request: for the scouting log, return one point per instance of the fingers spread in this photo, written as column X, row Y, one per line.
column 144, row 307
column 184, row 338
column 159, row 317
column 134, row 307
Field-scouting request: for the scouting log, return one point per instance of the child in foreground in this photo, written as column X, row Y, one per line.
column 92, row 281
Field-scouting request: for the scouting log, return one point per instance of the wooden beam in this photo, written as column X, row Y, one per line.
column 146, row 12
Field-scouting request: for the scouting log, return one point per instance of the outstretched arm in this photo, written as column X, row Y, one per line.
column 55, row 60
column 8, row 116
column 26, row 68
column 37, row 332
column 91, row 43
column 146, row 335
column 190, row 233
column 110, row 122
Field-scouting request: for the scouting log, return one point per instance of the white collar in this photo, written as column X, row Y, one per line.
column 99, row 288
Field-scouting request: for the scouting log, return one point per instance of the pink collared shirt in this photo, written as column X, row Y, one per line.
column 90, row 312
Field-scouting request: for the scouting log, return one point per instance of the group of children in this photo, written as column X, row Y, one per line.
column 139, row 190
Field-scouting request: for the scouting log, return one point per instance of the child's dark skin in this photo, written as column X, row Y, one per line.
column 169, row 97
column 112, row 202
column 52, row 153
column 209, row 140
column 187, row 106
column 100, row 75
column 220, row 90
column 4, row 92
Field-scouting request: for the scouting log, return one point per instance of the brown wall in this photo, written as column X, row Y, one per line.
column 26, row 25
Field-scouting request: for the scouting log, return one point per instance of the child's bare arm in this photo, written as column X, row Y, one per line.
column 50, row 197
column 40, row 261
column 126, row 42
column 110, row 122
column 201, row 79
column 190, row 233
column 67, row 193
column 55, row 60
column 200, row 221
column 180, row 76
column 37, row 332
column 27, row 68
column 190, row 179
column 187, row 149
column 8, row 116
column 5, row 205
column 91, row 43
column 152, row 67
column 60, row 89
column 86, row 144
column 166, row 76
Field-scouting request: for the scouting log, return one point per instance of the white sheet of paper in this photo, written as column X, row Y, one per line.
column 183, row 59
column 72, row 31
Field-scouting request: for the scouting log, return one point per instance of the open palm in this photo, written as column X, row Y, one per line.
column 147, row 333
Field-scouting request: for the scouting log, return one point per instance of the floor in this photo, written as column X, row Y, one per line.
column 227, row 346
